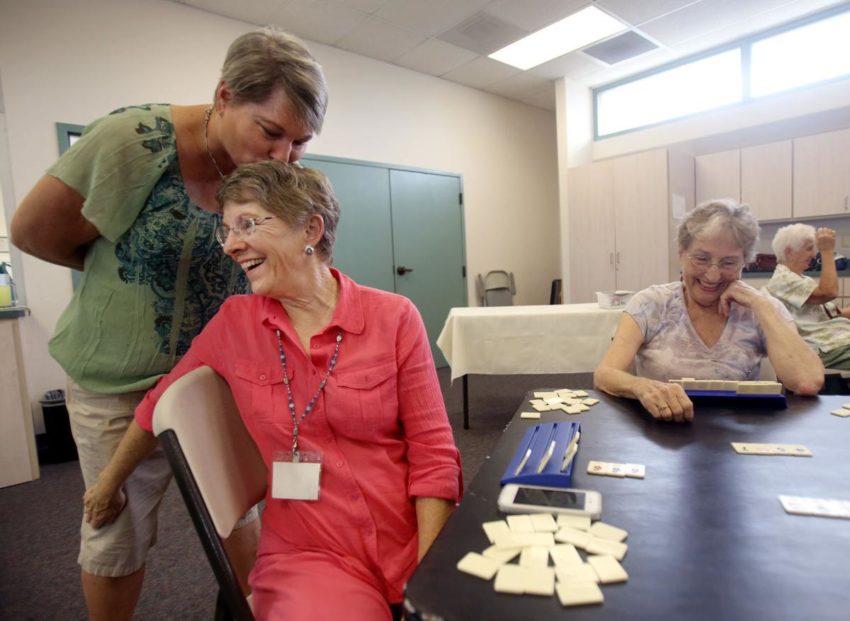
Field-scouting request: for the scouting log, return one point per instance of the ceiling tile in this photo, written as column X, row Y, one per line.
column 483, row 33
column 533, row 15
column 428, row 17
column 621, row 48
column 318, row 20
column 628, row 68
column 637, row 13
column 435, row 57
column 379, row 39
column 253, row 11
column 573, row 65
column 704, row 17
column 480, row 72
column 769, row 18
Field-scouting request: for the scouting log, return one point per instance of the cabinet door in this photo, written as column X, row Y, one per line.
column 641, row 214
column 822, row 174
column 718, row 175
column 766, row 174
column 591, row 231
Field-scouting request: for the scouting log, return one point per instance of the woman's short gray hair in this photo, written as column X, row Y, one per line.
column 258, row 63
column 793, row 236
column 717, row 217
column 290, row 192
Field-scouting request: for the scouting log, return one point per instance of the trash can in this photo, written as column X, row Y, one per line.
column 59, row 441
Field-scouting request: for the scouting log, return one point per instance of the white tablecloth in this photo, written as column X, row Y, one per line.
column 509, row 340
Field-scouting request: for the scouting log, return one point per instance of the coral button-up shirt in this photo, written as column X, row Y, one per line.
column 380, row 423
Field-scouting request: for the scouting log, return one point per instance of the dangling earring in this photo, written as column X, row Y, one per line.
column 308, row 249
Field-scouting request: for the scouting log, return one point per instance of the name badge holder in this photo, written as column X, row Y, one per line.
column 541, row 456
column 296, row 475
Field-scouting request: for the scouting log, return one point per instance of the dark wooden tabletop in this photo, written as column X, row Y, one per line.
column 708, row 537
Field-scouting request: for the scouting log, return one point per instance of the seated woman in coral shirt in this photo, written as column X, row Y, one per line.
column 321, row 369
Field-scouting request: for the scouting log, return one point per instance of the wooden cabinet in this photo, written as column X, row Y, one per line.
column 591, row 219
column 18, row 458
column 822, row 174
column 718, row 175
column 759, row 176
column 766, row 174
column 641, row 216
column 619, row 221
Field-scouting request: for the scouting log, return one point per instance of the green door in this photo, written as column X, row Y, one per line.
column 393, row 219
column 427, row 226
column 364, row 245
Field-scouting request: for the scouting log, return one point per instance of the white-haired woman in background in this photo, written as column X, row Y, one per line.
column 821, row 323
column 709, row 325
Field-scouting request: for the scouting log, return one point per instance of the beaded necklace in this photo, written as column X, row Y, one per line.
column 295, row 420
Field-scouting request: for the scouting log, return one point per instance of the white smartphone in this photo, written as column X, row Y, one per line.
column 537, row 499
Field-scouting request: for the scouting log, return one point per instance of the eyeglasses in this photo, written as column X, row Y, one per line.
column 244, row 228
column 704, row 263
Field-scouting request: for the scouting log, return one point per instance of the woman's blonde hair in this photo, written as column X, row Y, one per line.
column 258, row 63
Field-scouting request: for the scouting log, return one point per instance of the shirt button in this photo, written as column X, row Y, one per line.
column 263, row 377
column 339, row 464
column 315, row 346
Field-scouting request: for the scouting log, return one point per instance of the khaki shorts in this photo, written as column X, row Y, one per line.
column 98, row 423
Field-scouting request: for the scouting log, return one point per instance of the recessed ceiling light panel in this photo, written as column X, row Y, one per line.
column 571, row 33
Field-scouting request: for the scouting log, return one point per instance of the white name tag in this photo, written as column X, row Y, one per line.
column 296, row 480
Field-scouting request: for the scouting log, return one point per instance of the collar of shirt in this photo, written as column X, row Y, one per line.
column 348, row 314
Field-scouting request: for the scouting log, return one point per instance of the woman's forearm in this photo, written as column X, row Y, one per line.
column 133, row 448
column 431, row 515
column 796, row 364
column 616, row 382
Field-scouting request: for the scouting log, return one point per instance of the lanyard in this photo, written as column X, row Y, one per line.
column 295, row 420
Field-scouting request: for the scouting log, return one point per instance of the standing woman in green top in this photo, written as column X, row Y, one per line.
column 132, row 205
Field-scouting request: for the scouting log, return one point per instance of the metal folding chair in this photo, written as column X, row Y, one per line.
column 497, row 288
column 218, row 469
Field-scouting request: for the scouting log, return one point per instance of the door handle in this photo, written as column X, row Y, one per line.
column 401, row 270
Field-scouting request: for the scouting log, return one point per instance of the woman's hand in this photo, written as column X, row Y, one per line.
column 825, row 239
column 740, row 293
column 664, row 400
column 102, row 504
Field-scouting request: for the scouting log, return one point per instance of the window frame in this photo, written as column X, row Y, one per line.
column 745, row 45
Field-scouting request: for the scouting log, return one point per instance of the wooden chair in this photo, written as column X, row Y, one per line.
column 218, row 469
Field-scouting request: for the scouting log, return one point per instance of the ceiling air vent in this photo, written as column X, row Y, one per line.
column 620, row 48
column 483, row 34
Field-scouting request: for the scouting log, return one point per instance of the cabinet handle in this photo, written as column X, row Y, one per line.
column 618, row 258
column 611, row 258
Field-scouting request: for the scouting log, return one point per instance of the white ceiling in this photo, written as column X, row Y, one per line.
column 405, row 32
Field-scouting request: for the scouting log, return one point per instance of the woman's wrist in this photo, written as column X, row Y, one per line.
column 108, row 482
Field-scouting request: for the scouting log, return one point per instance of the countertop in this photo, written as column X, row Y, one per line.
column 812, row 273
column 13, row 312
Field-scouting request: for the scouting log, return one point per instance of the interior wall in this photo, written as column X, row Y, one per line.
column 73, row 62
